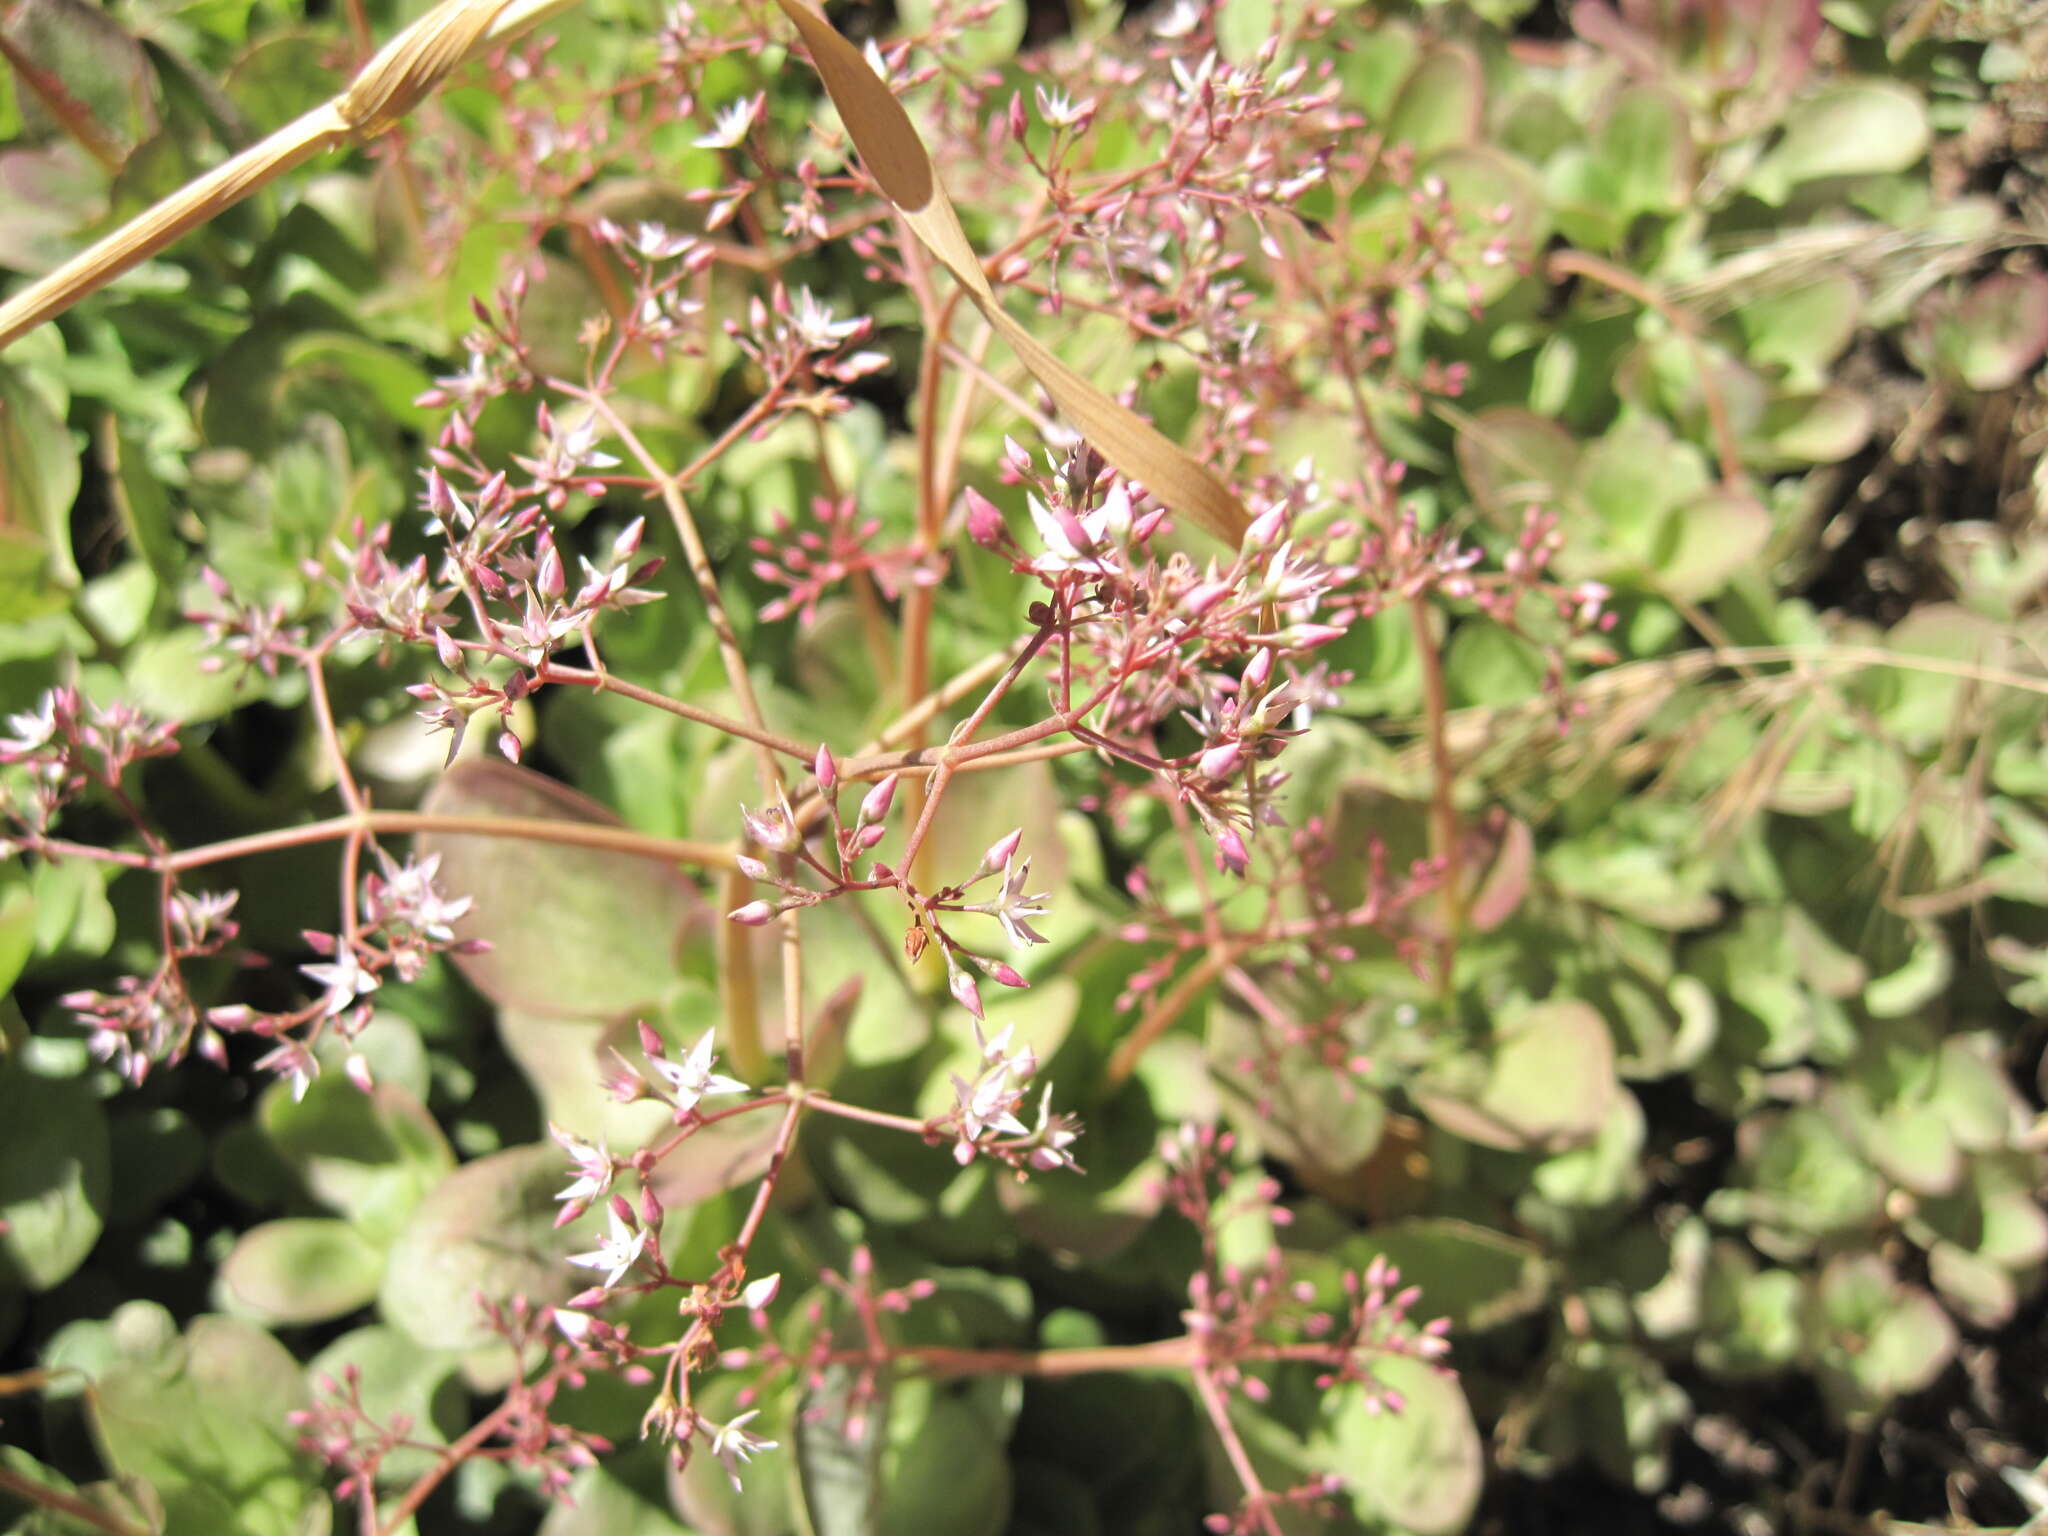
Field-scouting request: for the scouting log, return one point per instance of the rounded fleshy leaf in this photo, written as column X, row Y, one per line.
column 54, row 1171
column 1513, row 459
column 1419, row 1470
column 1549, row 1085
column 368, row 1156
column 1440, row 103
column 301, row 1270
column 1995, row 336
column 487, row 1230
column 1860, row 127
column 204, row 1423
column 577, row 932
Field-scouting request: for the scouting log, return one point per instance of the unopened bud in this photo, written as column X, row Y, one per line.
column 1000, row 852
column 984, row 522
column 874, row 806
column 1266, row 528
column 826, row 767
column 1220, row 761
column 650, row 1043
column 1307, row 637
column 753, row 915
column 550, row 578
column 965, row 992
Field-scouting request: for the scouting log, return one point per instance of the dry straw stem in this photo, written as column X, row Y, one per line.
column 403, row 72
column 896, row 157
column 415, row 62
column 1521, row 739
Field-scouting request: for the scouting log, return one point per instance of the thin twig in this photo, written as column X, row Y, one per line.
column 29, row 1491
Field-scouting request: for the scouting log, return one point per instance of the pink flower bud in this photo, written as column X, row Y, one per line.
column 1017, row 119
column 826, row 767
column 650, row 1208
column 984, row 522
column 761, row 1292
column 650, row 1043
column 1308, row 636
column 623, row 1209
column 1258, row 672
column 358, row 1071
column 751, row 867
column 1266, row 528
column 1000, row 852
column 1006, row 974
column 1220, row 761
column 753, row 915
column 446, row 648
column 966, row 993
column 1199, row 600
column 1230, row 852
column 550, row 579
column 874, row 806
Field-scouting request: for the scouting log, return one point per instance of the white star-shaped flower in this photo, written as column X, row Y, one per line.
column 344, row 978
column 593, row 1166
column 619, row 1251
column 691, row 1078
column 733, row 1445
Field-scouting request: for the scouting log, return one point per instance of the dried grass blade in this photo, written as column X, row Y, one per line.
column 406, row 69
column 896, row 157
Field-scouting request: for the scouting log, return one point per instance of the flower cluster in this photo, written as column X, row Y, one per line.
column 64, row 747
column 808, row 563
column 344, row 1432
column 983, row 1121
column 777, row 830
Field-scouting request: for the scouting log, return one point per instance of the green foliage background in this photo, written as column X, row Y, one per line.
column 1725, row 1158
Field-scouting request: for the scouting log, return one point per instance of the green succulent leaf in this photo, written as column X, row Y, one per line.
column 1860, row 127
column 574, row 932
column 485, row 1233
column 1418, row 1469
column 301, row 1270
column 54, row 1175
